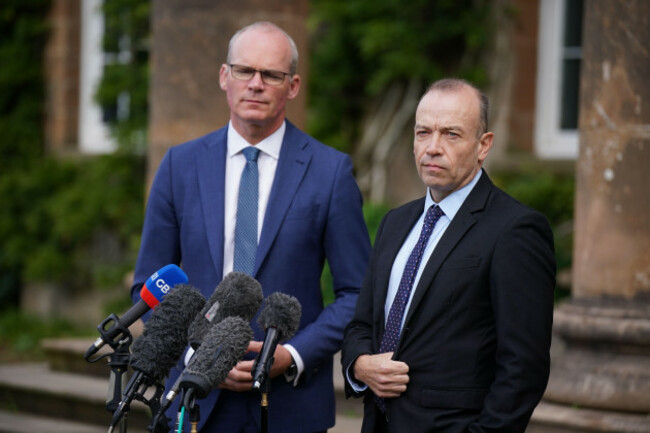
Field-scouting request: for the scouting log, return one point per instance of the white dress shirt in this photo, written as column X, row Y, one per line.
column 267, row 163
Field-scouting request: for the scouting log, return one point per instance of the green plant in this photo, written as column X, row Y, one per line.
column 79, row 220
column 21, row 334
column 360, row 48
column 23, row 30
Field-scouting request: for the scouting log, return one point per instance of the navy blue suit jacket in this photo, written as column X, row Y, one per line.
column 313, row 214
column 478, row 331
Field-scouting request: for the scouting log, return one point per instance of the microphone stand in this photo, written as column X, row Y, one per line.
column 264, row 405
column 119, row 363
column 189, row 402
column 119, row 339
column 264, row 387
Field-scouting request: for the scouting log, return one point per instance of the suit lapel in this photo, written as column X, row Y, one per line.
column 395, row 236
column 292, row 165
column 462, row 222
column 210, row 174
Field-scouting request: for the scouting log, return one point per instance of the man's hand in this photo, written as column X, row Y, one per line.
column 240, row 378
column 385, row 377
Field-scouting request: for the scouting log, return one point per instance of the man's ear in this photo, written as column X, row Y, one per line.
column 485, row 144
column 223, row 76
column 294, row 87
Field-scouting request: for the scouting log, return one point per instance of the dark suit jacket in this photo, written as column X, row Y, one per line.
column 314, row 213
column 477, row 334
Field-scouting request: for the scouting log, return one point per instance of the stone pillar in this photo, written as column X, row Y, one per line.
column 600, row 375
column 62, row 76
column 190, row 43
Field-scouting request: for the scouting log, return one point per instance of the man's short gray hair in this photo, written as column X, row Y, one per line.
column 267, row 25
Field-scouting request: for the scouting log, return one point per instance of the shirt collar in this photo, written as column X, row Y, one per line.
column 453, row 201
column 270, row 145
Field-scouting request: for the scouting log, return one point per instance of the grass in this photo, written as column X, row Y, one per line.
column 21, row 334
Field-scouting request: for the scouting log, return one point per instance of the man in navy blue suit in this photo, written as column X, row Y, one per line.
column 309, row 211
column 453, row 326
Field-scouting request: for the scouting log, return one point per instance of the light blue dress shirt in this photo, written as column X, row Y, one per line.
column 449, row 206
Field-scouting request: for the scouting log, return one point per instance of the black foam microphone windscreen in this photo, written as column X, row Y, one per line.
column 280, row 318
column 238, row 294
column 222, row 347
column 162, row 342
column 281, row 311
column 165, row 334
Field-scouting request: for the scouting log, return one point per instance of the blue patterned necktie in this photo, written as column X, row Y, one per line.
column 246, row 225
column 396, row 312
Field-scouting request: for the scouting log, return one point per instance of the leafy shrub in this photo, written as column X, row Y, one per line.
column 71, row 222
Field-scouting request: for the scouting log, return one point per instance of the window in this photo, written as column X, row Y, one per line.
column 94, row 136
column 558, row 79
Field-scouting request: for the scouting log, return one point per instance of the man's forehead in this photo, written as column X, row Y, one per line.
column 445, row 109
column 262, row 43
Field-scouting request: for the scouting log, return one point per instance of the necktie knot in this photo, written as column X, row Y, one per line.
column 433, row 215
column 251, row 153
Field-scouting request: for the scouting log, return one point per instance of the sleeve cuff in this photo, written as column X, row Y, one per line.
column 300, row 365
column 356, row 386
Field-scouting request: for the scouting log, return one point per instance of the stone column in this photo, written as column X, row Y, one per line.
column 62, row 77
column 600, row 375
column 190, row 42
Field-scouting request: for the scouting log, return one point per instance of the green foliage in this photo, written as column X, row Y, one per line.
column 373, row 214
column 360, row 47
column 126, row 40
column 22, row 36
column 20, row 334
column 65, row 207
column 70, row 222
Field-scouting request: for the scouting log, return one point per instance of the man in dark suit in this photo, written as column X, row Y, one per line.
column 453, row 324
column 308, row 211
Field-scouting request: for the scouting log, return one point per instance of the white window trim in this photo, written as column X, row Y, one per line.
column 94, row 134
column 551, row 142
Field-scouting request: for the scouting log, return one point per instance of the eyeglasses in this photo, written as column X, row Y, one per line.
column 245, row 73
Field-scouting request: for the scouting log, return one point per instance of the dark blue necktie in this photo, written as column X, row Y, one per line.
column 396, row 312
column 246, row 225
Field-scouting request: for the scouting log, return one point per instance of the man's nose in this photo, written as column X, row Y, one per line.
column 434, row 145
column 256, row 80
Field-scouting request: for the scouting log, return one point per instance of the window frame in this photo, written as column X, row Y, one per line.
column 550, row 141
column 94, row 134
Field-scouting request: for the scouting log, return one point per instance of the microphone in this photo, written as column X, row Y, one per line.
column 114, row 329
column 223, row 346
column 238, row 294
column 280, row 318
column 161, row 344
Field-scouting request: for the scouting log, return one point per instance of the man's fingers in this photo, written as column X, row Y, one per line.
column 239, row 377
column 254, row 346
column 385, row 377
